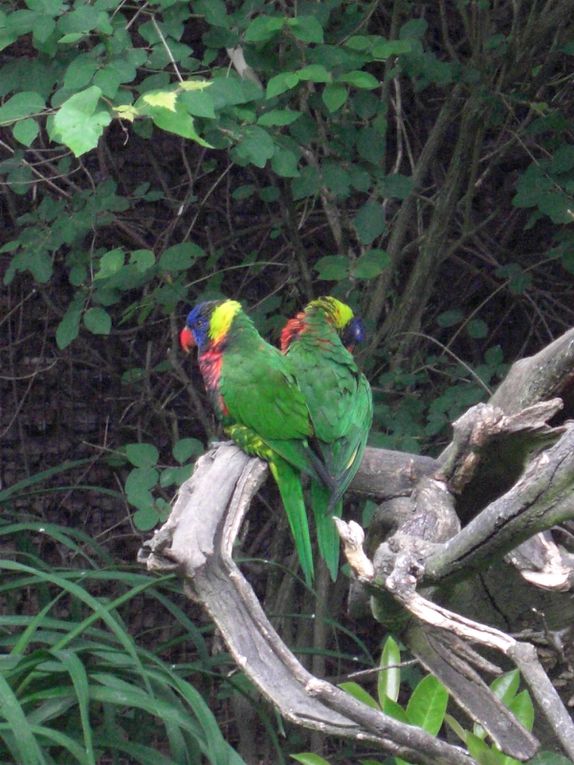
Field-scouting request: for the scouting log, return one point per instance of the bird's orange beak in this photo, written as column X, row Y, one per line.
column 186, row 339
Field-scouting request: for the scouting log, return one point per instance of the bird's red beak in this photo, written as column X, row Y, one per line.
column 186, row 339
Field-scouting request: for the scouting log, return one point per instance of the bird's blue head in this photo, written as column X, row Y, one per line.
column 352, row 333
column 207, row 323
column 197, row 324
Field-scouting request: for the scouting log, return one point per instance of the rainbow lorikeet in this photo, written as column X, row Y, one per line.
column 257, row 399
column 317, row 343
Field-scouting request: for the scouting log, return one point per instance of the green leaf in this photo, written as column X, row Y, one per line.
column 506, row 686
column 26, row 131
column 359, row 693
column 393, row 709
column 306, row 28
column 69, row 326
column 389, row 678
column 80, row 72
column 307, row 184
column 370, row 265
column 334, row 96
column 359, row 79
column 186, row 448
column 523, row 709
column 481, row 752
column 142, row 259
column 145, row 518
column 450, row 318
column 263, row 28
column 180, row 257
column 25, row 741
column 332, row 267
column 426, row 707
column 79, row 122
column 98, row 321
column 285, row 163
column 199, row 103
column 278, row 117
column 477, row 328
column 281, row 83
column 20, row 106
column 397, row 186
column 110, row 263
column 142, row 455
column 308, row 758
column 314, row 73
column 370, row 221
column 174, row 120
column 256, row 146
column 387, row 48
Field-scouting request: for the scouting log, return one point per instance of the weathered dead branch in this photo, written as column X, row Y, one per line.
column 197, row 542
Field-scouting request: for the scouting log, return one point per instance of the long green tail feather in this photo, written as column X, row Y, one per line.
column 289, row 484
column 327, row 536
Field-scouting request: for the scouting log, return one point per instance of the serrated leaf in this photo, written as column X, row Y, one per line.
column 194, row 85
column 370, row 221
column 389, row 678
column 186, row 448
column 142, row 455
column 332, row 267
column 165, row 99
column 80, row 121
column 334, row 96
column 426, row 707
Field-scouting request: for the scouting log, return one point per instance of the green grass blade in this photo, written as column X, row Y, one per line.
column 29, row 751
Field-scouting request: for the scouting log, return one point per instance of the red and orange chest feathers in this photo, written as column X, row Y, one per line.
column 210, row 365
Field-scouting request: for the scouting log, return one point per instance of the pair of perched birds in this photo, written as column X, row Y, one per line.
column 305, row 409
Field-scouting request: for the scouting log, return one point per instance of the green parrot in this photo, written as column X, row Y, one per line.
column 260, row 405
column 317, row 343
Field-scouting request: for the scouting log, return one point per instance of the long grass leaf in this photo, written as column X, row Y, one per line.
column 11, row 709
column 81, row 684
column 44, row 475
